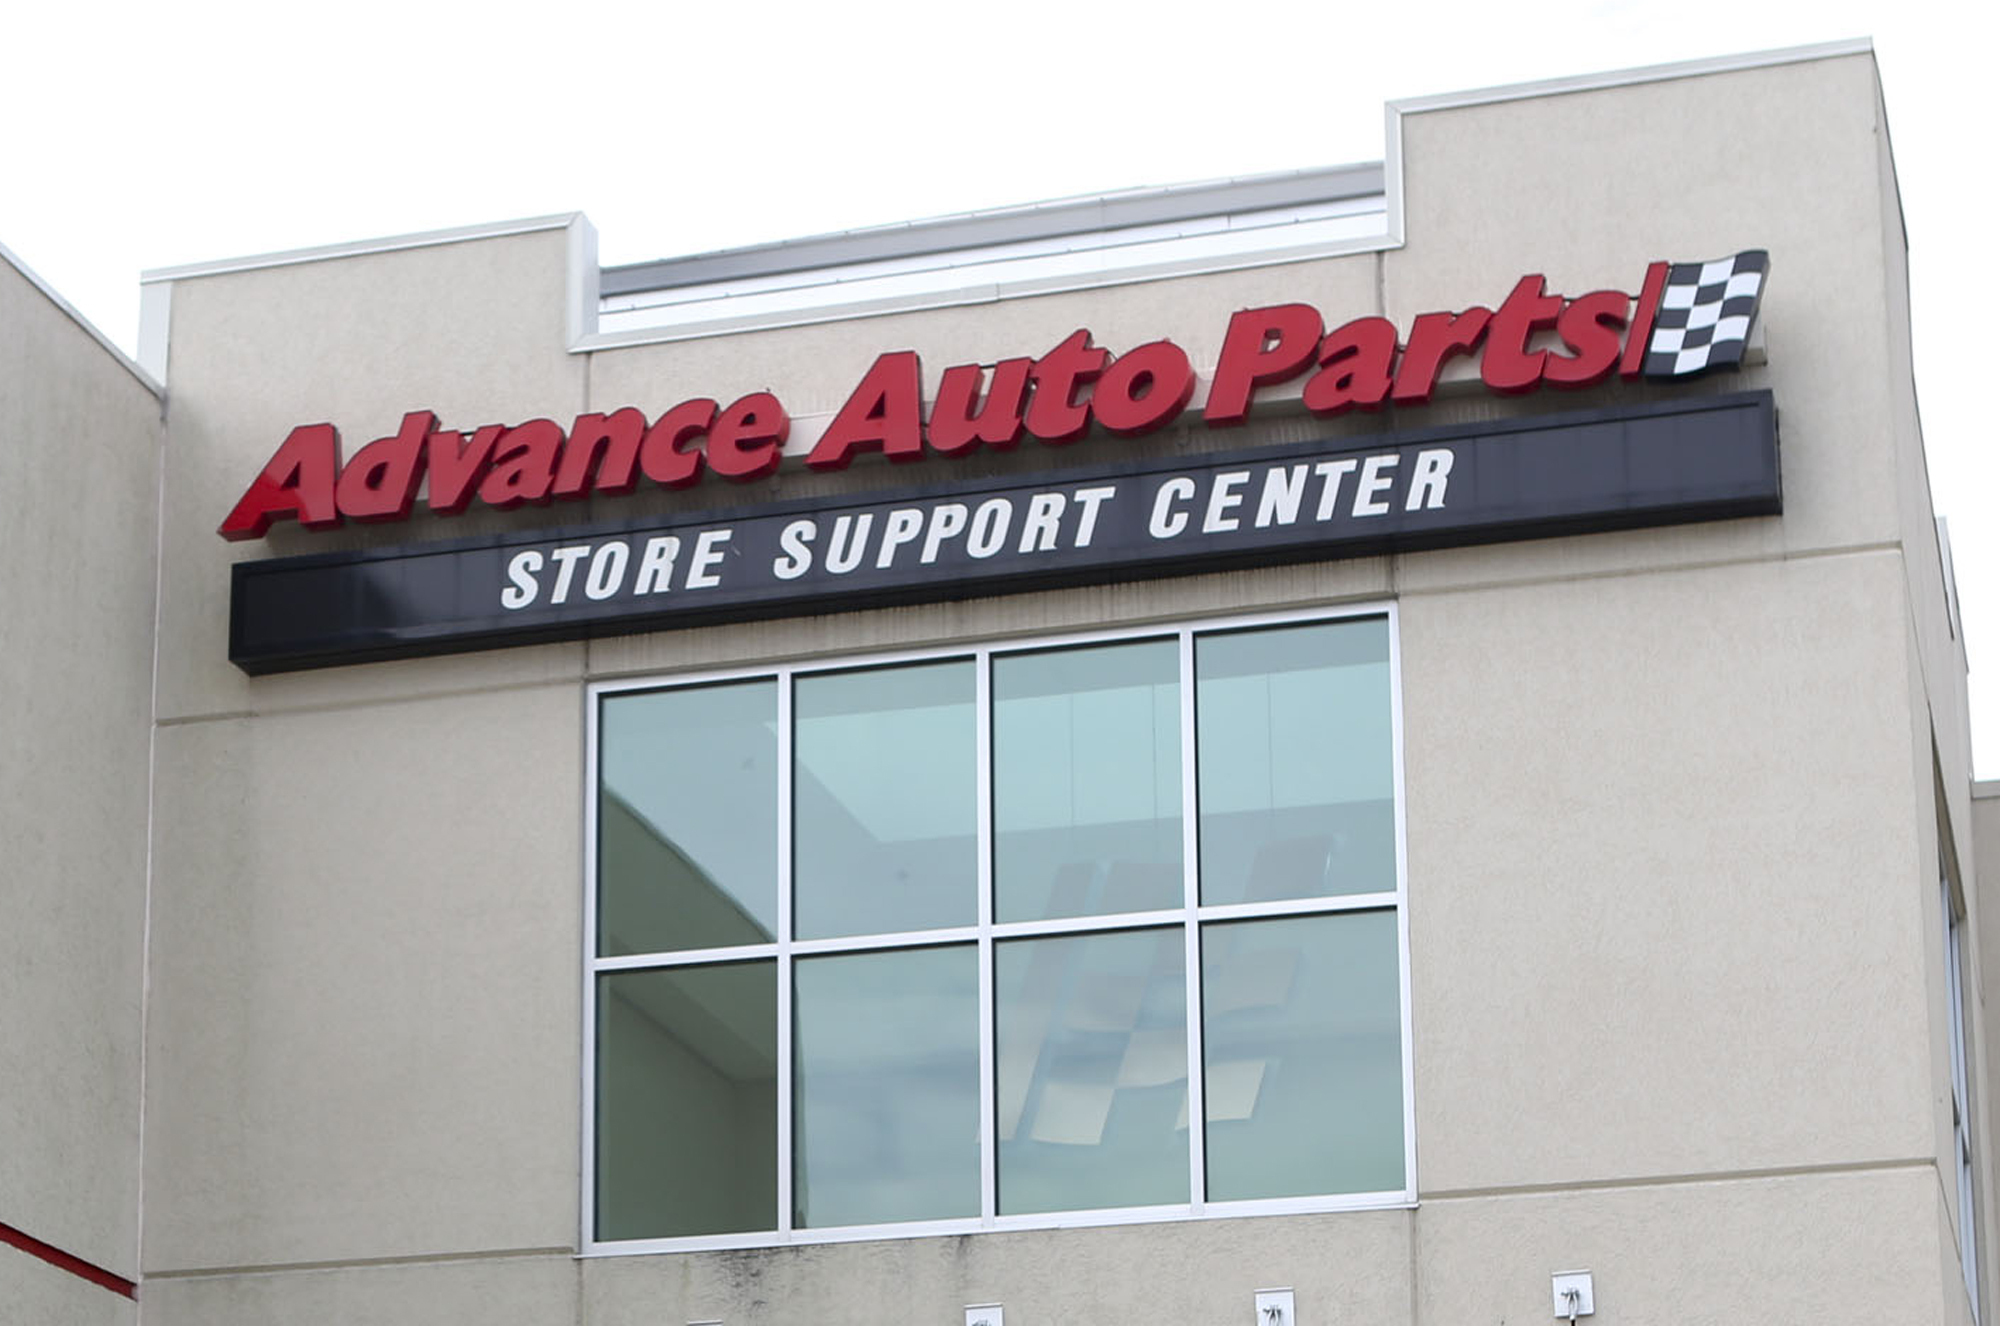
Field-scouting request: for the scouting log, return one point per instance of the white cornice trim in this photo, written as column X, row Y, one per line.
column 48, row 291
column 1658, row 73
column 358, row 248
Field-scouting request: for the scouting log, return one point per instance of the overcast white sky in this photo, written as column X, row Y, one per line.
column 150, row 135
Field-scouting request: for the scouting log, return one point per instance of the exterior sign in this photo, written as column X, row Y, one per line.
column 1704, row 458
column 1687, row 318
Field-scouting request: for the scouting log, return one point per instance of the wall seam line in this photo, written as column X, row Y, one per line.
column 1892, row 1165
column 361, row 1263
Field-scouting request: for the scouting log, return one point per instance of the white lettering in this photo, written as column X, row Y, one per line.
column 607, row 571
column 1090, row 499
column 1223, row 498
column 566, row 560
column 1284, row 489
column 989, row 527
column 521, row 570
column 1374, row 479
column 794, row 542
column 1166, row 522
column 947, row 521
column 1038, row 531
column 1331, row 472
column 849, row 541
column 902, row 526
column 656, row 565
column 1427, row 484
column 708, row 552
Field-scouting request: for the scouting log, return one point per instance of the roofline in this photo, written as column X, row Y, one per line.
column 1145, row 206
column 357, row 248
column 1654, row 73
column 48, row 291
column 1063, row 216
column 1087, row 214
column 587, row 282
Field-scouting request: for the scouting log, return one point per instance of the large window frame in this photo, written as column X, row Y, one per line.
column 1192, row 917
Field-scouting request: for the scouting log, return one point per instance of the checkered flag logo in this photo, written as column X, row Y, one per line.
column 1706, row 310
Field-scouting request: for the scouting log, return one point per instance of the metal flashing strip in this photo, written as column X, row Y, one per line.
column 1090, row 214
column 978, row 293
column 146, row 380
column 982, row 257
column 1101, row 252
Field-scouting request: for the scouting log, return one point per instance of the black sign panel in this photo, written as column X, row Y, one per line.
column 1700, row 459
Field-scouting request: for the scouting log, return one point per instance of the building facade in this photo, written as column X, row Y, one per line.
column 1382, row 733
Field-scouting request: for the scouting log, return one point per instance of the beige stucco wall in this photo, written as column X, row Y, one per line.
column 1671, row 841
column 379, row 963
column 80, row 438
column 473, row 331
column 33, row 1291
column 1856, row 1246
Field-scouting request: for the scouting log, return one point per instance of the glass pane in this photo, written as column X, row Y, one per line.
column 687, row 820
column 1302, row 1048
column 1087, row 781
column 1092, row 1068
column 886, row 1087
column 886, row 798
column 1295, row 766
column 687, row 1101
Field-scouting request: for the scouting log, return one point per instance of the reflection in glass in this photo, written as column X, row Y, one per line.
column 687, row 1101
column 1302, row 1049
column 1091, row 1046
column 1295, row 772
column 886, row 1087
column 886, row 801
column 687, row 848
column 1087, row 781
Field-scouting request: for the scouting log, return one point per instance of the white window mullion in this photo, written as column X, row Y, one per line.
column 693, row 957
column 785, row 1087
column 1191, row 930
column 1406, row 995
column 989, row 1144
column 588, row 1208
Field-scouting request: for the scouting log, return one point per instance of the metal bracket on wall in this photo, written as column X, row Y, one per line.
column 1570, row 1294
column 1274, row 1308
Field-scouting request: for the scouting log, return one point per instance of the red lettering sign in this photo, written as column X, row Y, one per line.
column 1532, row 339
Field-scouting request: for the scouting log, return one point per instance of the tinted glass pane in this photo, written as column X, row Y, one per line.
column 687, row 847
column 687, row 1101
column 1296, row 779
column 886, row 1087
column 886, row 795
column 1087, row 781
column 1092, row 1058
column 1302, row 1043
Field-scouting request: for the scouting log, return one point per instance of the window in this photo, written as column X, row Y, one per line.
column 966, row 940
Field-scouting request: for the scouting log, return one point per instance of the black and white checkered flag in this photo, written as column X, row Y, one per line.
column 1705, row 315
